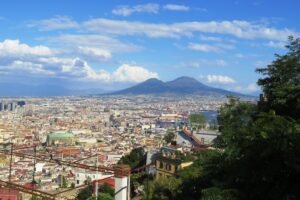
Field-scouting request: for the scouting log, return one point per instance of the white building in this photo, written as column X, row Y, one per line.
column 82, row 176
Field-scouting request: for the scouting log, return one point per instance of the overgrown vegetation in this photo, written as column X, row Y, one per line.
column 257, row 156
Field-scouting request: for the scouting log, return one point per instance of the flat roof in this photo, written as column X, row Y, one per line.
column 60, row 135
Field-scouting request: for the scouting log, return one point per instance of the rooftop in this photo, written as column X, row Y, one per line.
column 60, row 135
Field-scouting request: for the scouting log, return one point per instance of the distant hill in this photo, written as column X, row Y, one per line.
column 180, row 86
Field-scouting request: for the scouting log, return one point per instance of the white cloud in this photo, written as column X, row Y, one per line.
column 210, row 38
column 176, row 7
column 28, row 67
column 128, row 10
column 252, row 87
column 41, row 60
column 261, row 64
column 56, row 23
column 215, row 48
column 219, row 79
column 279, row 45
column 104, row 42
column 15, row 48
column 132, row 73
column 94, row 53
column 204, row 63
column 237, row 28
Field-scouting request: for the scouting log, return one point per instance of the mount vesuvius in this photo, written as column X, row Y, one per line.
column 180, row 86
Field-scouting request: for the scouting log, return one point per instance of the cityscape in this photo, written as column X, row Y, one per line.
column 149, row 100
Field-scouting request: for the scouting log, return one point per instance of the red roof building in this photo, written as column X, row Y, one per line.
column 9, row 194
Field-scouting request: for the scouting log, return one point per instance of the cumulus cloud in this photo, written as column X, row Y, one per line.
column 124, row 73
column 219, row 79
column 94, row 53
column 128, row 10
column 17, row 57
column 17, row 67
column 132, row 73
column 215, row 48
column 175, row 7
column 15, row 48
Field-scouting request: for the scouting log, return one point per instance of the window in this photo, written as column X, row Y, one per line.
column 202, row 140
column 161, row 165
column 168, row 167
column 77, row 181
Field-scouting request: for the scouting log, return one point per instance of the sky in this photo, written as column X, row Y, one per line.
column 79, row 44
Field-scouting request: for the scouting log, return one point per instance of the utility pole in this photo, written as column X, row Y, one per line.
column 61, row 174
column 34, row 163
column 10, row 163
column 96, row 189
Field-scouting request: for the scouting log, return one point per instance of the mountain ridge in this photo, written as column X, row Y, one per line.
column 181, row 86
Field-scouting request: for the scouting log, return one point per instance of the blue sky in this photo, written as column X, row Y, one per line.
column 114, row 44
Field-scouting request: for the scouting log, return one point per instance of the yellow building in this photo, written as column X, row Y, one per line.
column 167, row 165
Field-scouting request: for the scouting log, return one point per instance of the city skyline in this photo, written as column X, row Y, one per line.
column 116, row 44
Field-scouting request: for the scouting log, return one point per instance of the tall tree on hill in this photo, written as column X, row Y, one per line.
column 261, row 158
column 258, row 151
column 136, row 158
column 281, row 82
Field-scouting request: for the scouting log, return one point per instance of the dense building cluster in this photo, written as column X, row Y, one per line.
column 74, row 128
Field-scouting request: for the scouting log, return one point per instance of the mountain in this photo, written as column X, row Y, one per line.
column 180, row 86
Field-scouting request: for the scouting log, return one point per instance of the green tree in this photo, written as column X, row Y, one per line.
column 163, row 189
column 257, row 155
column 107, row 189
column 136, row 158
column 102, row 196
column 197, row 120
column 35, row 198
column 64, row 182
column 85, row 193
column 169, row 137
column 281, row 82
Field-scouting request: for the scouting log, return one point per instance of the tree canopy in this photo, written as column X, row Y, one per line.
column 136, row 158
column 257, row 154
column 281, row 81
column 169, row 137
column 198, row 120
